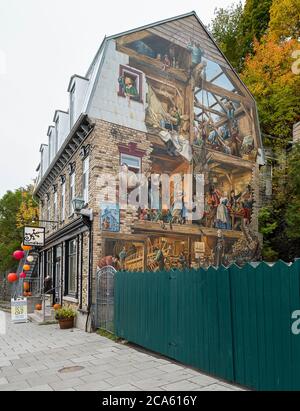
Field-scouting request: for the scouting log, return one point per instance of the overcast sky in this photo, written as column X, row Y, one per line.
column 43, row 43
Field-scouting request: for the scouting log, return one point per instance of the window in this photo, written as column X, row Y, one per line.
column 130, row 83
column 72, row 268
column 49, row 263
column 133, row 163
column 72, row 106
column 85, row 179
column 63, row 201
column 72, row 192
column 55, row 206
column 48, row 213
column 57, row 142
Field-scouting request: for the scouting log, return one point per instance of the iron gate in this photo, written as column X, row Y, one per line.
column 104, row 316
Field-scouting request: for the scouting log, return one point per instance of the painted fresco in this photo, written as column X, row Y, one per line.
column 201, row 119
column 110, row 217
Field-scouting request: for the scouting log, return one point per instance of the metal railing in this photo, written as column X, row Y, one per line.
column 49, row 293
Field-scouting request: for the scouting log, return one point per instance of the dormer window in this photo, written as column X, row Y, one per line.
column 72, row 105
column 56, row 134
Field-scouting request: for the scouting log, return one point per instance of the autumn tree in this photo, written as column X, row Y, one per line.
column 269, row 76
column 285, row 19
column 28, row 212
column 16, row 209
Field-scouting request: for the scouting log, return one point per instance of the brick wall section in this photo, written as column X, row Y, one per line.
column 104, row 159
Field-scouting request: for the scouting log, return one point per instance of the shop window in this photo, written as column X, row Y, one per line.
column 72, row 268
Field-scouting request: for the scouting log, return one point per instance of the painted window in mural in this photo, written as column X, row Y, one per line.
column 130, row 84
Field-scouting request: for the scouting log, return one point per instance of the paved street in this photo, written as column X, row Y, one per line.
column 45, row 358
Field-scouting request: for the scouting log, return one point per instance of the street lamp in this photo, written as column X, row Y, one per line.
column 78, row 204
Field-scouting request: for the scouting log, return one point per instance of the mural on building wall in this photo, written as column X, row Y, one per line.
column 201, row 119
column 110, row 217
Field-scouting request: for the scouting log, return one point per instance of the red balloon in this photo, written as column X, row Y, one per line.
column 18, row 255
column 12, row 278
column 23, row 276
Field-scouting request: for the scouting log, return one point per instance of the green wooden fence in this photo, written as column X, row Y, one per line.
column 234, row 323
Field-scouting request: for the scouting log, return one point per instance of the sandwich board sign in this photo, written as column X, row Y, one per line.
column 19, row 310
column 34, row 236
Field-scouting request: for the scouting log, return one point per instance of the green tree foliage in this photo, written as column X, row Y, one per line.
column 235, row 29
column 254, row 24
column 285, row 19
column 225, row 29
column 293, row 188
column 10, row 235
column 280, row 221
column 17, row 209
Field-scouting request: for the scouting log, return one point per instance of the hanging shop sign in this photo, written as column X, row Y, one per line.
column 34, row 236
column 19, row 310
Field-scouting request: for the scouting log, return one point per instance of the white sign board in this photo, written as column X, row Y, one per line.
column 19, row 310
column 34, row 236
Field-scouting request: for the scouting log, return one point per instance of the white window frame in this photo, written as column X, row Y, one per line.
column 72, row 192
column 73, row 273
column 48, row 214
column 126, row 158
column 55, row 208
column 85, row 179
column 63, row 201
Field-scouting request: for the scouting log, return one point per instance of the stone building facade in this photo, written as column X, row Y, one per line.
column 159, row 100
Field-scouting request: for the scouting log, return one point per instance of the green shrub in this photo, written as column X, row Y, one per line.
column 65, row 313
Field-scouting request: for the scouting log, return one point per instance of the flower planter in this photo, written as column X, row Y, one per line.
column 66, row 323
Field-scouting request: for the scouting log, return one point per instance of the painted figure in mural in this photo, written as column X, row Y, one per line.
column 233, row 201
column 128, row 86
column 223, row 217
column 230, row 110
column 122, row 258
column 235, row 142
column 159, row 258
column 196, row 52
column 182, row 261
column 219, row 249
column 198, row 75
column 213, row 202
column 166, row 62
column 247, row 201
column 173, row 119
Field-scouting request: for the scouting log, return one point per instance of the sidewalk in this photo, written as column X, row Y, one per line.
column 45, row 358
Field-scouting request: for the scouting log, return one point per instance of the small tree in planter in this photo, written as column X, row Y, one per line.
column 65, row 317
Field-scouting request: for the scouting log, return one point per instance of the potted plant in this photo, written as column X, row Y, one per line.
column 65, row 317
